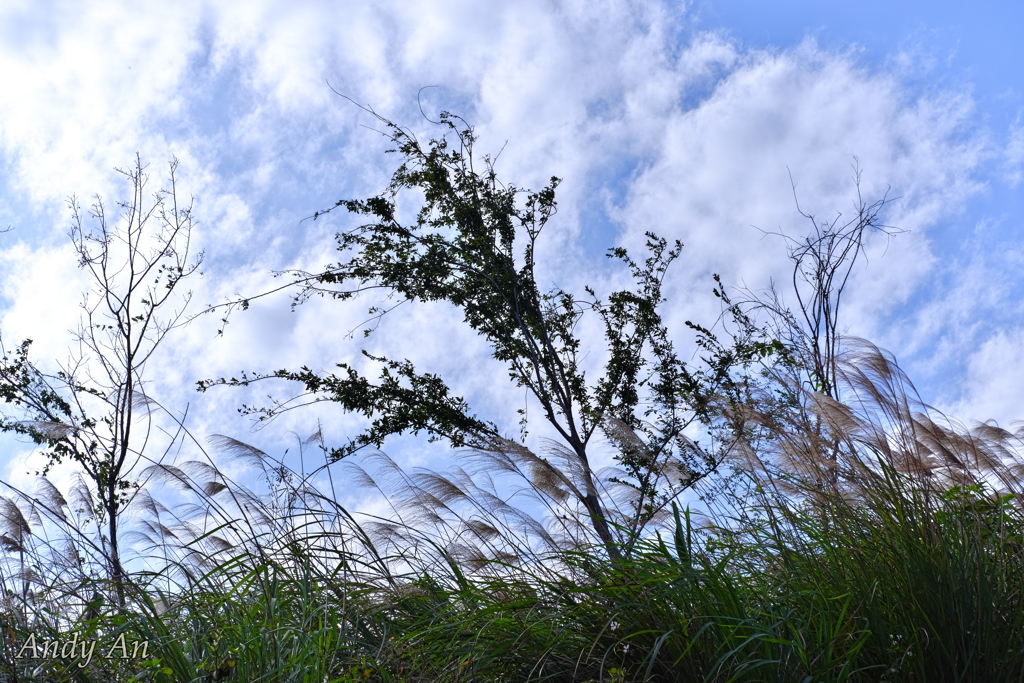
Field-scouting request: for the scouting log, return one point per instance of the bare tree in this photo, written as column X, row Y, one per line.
column 94, row 410
column 823, row 261
column 809, row 338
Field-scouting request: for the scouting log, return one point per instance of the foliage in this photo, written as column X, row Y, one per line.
column 474, row 245
column 875, row 540
column 897, row 578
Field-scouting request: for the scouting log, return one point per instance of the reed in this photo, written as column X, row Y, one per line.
column 866, row 539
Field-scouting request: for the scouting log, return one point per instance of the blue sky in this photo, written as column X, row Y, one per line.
column 684, row 118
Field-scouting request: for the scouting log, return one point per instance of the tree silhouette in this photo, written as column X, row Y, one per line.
column 473, row 245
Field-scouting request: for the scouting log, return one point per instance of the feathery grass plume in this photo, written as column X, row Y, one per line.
column 885, row 543
column 910, row 515
column 51, row 498
column 262, row 558
column 49, row 429
column 822, row 444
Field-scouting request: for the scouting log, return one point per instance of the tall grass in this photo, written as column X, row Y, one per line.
column 870, row 540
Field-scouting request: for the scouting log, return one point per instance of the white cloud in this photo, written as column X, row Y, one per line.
column 41, row 285
column 651, row 126
column 86, row 89
column 995, row 375
column 725, row 166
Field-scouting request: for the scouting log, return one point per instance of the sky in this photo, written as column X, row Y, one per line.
column 703, row 121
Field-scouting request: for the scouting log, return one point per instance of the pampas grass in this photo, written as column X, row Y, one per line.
column 867, row 538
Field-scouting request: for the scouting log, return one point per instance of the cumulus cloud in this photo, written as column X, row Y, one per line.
column 995, row 373
column 86, row 89
column 652, row 124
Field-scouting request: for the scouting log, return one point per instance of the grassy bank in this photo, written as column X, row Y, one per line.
column 863, row 541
